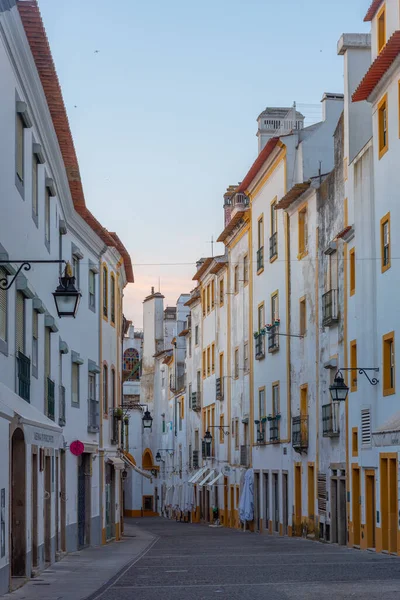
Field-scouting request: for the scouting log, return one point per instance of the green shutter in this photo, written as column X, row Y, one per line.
column 20, row 322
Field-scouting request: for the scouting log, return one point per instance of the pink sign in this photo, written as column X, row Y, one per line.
column 76, row 448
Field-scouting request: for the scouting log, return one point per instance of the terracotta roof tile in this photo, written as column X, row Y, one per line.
column 373, row 9
column 203, row 268
column 293, row 194
column 40, row 48
column 258, row 163
column 237, row 217
column 379, row 67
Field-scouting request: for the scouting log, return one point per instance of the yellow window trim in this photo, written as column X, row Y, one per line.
column 352, row 271
column 302, row 242
column 260, row 325
column 112, row 323
column 384, row 220
column 381, row 12
column 234, row 362
column 354, row 441
column 104, row 268
column 276, row 384
column 303, row 302
column 388, row 337
column 382, row 151
column 353, row 359
column 246, row 283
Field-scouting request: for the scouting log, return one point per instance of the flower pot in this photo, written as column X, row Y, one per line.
column 263, row 419
column 270, row 417
column 277, row 417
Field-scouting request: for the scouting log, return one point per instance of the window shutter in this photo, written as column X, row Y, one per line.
column 20, row 322
column 322, row 495
column 35, row 335
column 75, row 384
column 3, row 308
column 47, row 350
column 366, row 427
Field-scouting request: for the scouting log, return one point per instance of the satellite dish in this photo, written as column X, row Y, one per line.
column 226, row 469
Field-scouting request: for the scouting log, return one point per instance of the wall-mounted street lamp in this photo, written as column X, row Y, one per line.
column 339, row 390
column 208, row 437
column 147, row 420
column 66, row 296
column 158, row 455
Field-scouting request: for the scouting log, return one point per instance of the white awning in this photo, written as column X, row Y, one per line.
column 135, row 468
column 214, row 481
column 38, row 429
column 197, row 475
column 210, row 474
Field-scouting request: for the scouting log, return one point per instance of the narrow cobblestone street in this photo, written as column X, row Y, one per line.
column 198, row 562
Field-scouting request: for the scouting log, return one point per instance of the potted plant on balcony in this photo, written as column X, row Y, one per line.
column 269, row 327
column 269, row 418
column 118, row 412
column 277, row 322
column 264, row 419
column 278, row 416
column 256, row 334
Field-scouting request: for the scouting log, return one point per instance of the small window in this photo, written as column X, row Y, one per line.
column 352, row 271
column 246, row 356
column 274, row 308
column 303, row 316
column 275, row 399
column 221, row 291
column 75, row 384
column 208, row 299
column 303, row 232
column 236, row 279
column 385, row 243
column 35, row 339
column 92, row 291
column 20, row 148
column 262, row 409
column 112, row 298
column 221, row 429
column 34, row 186
column 148, row 503
column 383, row 135
column 260, row 233
column 213, row 358
column 105, row 292
column 388, row 364
column 381, row 28
column 105, row 389
column 203, row 301
column 274, row 218
column 204, row 363
column 47, row 217
column 221, row 373
column 236, row 363
column 196, row 335
column 353, row 366
column 212, row 294
column 190, row 346
column 113, row 389
column 237, row 434
column 208, row 360
column 246, row 270
column 261, row 317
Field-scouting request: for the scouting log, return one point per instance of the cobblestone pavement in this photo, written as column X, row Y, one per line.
column 198, row 562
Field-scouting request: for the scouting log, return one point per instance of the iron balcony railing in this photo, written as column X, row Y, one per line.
column 273, row 338
column 274, row 429
column 24, row 376
column 330, row 307
column 260, row 347
column 61, row 406
column 50, row 398
column 114, row 429
column 273, row 245
column 330, row 420
column 219, row 392
column 300, row 433
column 196, row 459
column 244, row 456
column 196, row 401
column 260, row 258
column 93, row 415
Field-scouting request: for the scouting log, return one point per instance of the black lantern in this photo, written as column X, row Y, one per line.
column 208, row 438
column 66, row 296
column 147, row 420
column 158, row 457
column 338, row 389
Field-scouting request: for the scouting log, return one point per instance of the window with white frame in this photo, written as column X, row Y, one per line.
column 92, row 290
column 75, row 385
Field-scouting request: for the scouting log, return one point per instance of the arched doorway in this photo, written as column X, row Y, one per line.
column 18, row 504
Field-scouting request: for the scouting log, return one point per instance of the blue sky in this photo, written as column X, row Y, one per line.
column 164, row 115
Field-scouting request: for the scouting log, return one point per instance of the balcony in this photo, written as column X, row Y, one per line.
column 219, row 391
column 196, row 401
column 273, row 339
column 244, row 456
column 273, row 246
column 114, row 430
column 177, row 383
column 61, row 406
column 300, row 433
column 330, row 420
column 260, row 347
column 93, row 415
column 195, row 459
column 330, row 308
column 274, row 429
column 24, row 376
column 260, row 258
column 50, row 399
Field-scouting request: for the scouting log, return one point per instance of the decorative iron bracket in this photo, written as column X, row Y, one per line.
column 26, row 265
column 362, row 371
column 221, row 428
